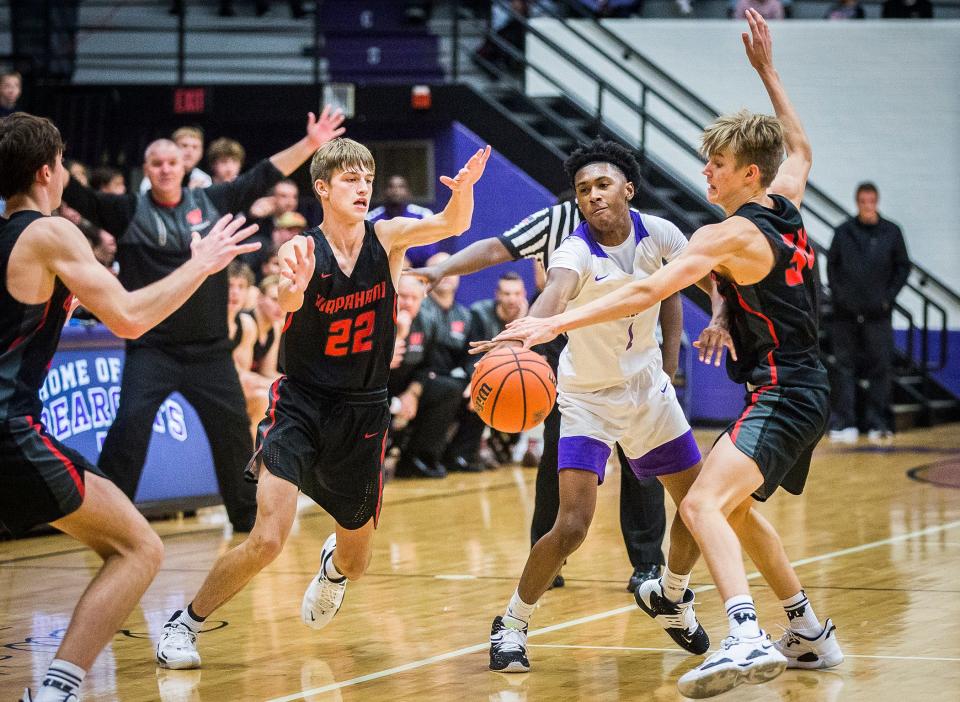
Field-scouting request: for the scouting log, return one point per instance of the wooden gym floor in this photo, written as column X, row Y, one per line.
column 877, row 551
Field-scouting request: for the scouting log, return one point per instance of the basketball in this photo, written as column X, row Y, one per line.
column 513, row 389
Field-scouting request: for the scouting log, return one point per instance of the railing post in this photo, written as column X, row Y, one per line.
column 181, row 43
column 643, row 123
column 455, row 59
column 599, row 117
column 924, row 344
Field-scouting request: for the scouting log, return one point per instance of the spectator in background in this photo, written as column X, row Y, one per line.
column 283, row 199
column 907, row 9
column 448, row 365
column 396, row 203
column 242, row 332
column 490, row 317
column 190, row 141
column 226, row 158
column 188, row 352
column 867, row 266
column 78, row 172
column 106, row 179
column 845, row 10
column 10, row 88
column 768, row 9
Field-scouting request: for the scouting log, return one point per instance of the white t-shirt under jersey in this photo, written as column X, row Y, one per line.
column 605, row 355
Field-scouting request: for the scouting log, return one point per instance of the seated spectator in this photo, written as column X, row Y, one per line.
column 190, row 141
column 78, row 172
column 225, row 157
column 108, row 180
column 269, row 318
column 242, row 330
column 280, row 204
column 490, row 317
column 396, row 203
column 907, row 9
column 445, row 378
column 10, row 89
column 407, row 379
column 768, row 9
column 845, row 10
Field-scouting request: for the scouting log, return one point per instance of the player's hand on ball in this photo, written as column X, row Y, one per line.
column 478, row 347
column 713, row 339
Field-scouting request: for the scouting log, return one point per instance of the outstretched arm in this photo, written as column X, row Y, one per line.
column 476, row 257
column 562, row 285
column 711, row 246
column 130, row 314
column 454, row 219
column 319, row 132
column 791, row 178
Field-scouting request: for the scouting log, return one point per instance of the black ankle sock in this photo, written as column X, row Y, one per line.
column 194, row 615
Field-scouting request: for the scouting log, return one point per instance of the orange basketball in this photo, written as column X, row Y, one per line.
column 513, row 389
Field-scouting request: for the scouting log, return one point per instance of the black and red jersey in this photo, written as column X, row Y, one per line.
column 774, row 323
column 29, row 334
column 341, row 340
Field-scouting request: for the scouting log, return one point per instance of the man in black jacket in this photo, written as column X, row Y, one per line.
column 866, row 267
column 189, row 352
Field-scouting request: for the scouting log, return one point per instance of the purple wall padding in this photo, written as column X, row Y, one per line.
column 503, row 196
column 713, row 396
column 949, row 377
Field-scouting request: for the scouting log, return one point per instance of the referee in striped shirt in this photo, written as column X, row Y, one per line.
column 642, row 516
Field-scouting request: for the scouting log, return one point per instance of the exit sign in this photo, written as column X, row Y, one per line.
column 189, row 100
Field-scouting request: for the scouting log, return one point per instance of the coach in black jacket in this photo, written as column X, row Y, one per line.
column 866, row 267
column 188, row 352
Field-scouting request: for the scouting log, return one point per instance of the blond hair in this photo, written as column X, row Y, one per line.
column 268, row 283
column 750, row 138
column 195, row 132
column 340, row 154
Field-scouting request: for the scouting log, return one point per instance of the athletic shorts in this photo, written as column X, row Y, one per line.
column 642, row 415
column 779, row 429
column 42, row 480
column 330, row 446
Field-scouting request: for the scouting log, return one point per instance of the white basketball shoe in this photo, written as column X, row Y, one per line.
column 751, row 661
column 177, row 647
column 822, row 651
column 323, row 597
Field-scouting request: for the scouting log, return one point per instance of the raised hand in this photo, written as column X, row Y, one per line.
column 470, row 173
column 299, row 270
column 215, row 251
column 713, row 339
column 758, row 43
column 320, row 131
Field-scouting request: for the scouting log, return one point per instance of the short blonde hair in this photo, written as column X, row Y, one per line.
column 750, row 138
column 268, row 283
column 195, row 132
column 340, row 154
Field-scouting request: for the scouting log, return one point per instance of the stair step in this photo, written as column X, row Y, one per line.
column 910, row 379
column 942, row 404
column 907, row 407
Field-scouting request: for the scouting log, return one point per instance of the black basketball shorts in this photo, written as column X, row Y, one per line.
column 42, row 480
column 778, row 429
column 331, row 446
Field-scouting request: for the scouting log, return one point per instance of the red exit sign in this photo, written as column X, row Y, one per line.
column 189, row 100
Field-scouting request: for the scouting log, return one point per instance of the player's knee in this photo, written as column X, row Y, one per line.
column 571, row 530
column 352, row 565
column 151, row 550
column 266, row 546
column 692, row 510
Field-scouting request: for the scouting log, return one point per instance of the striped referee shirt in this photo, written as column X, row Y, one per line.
column 538, row 235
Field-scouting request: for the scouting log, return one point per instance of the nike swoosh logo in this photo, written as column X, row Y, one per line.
column 664, row 388
column 326, row 275
column 601, row 277
column 370, row 436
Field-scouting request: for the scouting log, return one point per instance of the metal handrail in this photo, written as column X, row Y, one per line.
column 632, row 52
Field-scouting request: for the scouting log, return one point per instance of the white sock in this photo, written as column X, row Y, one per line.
column 674, row 584
column 518, row 612
column 803, row 619
column 742, row 616
column 189, row 621
column 62, row 679
column 330, row 570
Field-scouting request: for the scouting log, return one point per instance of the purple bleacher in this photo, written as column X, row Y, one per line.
column 387, row 57
column 362, row 15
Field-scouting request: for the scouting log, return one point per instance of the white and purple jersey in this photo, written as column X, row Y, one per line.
column 606, row 355
column 417, row 255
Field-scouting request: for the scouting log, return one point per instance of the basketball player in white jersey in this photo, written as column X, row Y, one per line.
column 612, row 390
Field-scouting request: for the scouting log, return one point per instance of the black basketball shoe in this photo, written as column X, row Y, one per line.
column 508, row 648
column 677, row 618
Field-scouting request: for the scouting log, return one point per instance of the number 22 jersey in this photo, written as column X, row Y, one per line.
column 341, row 340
